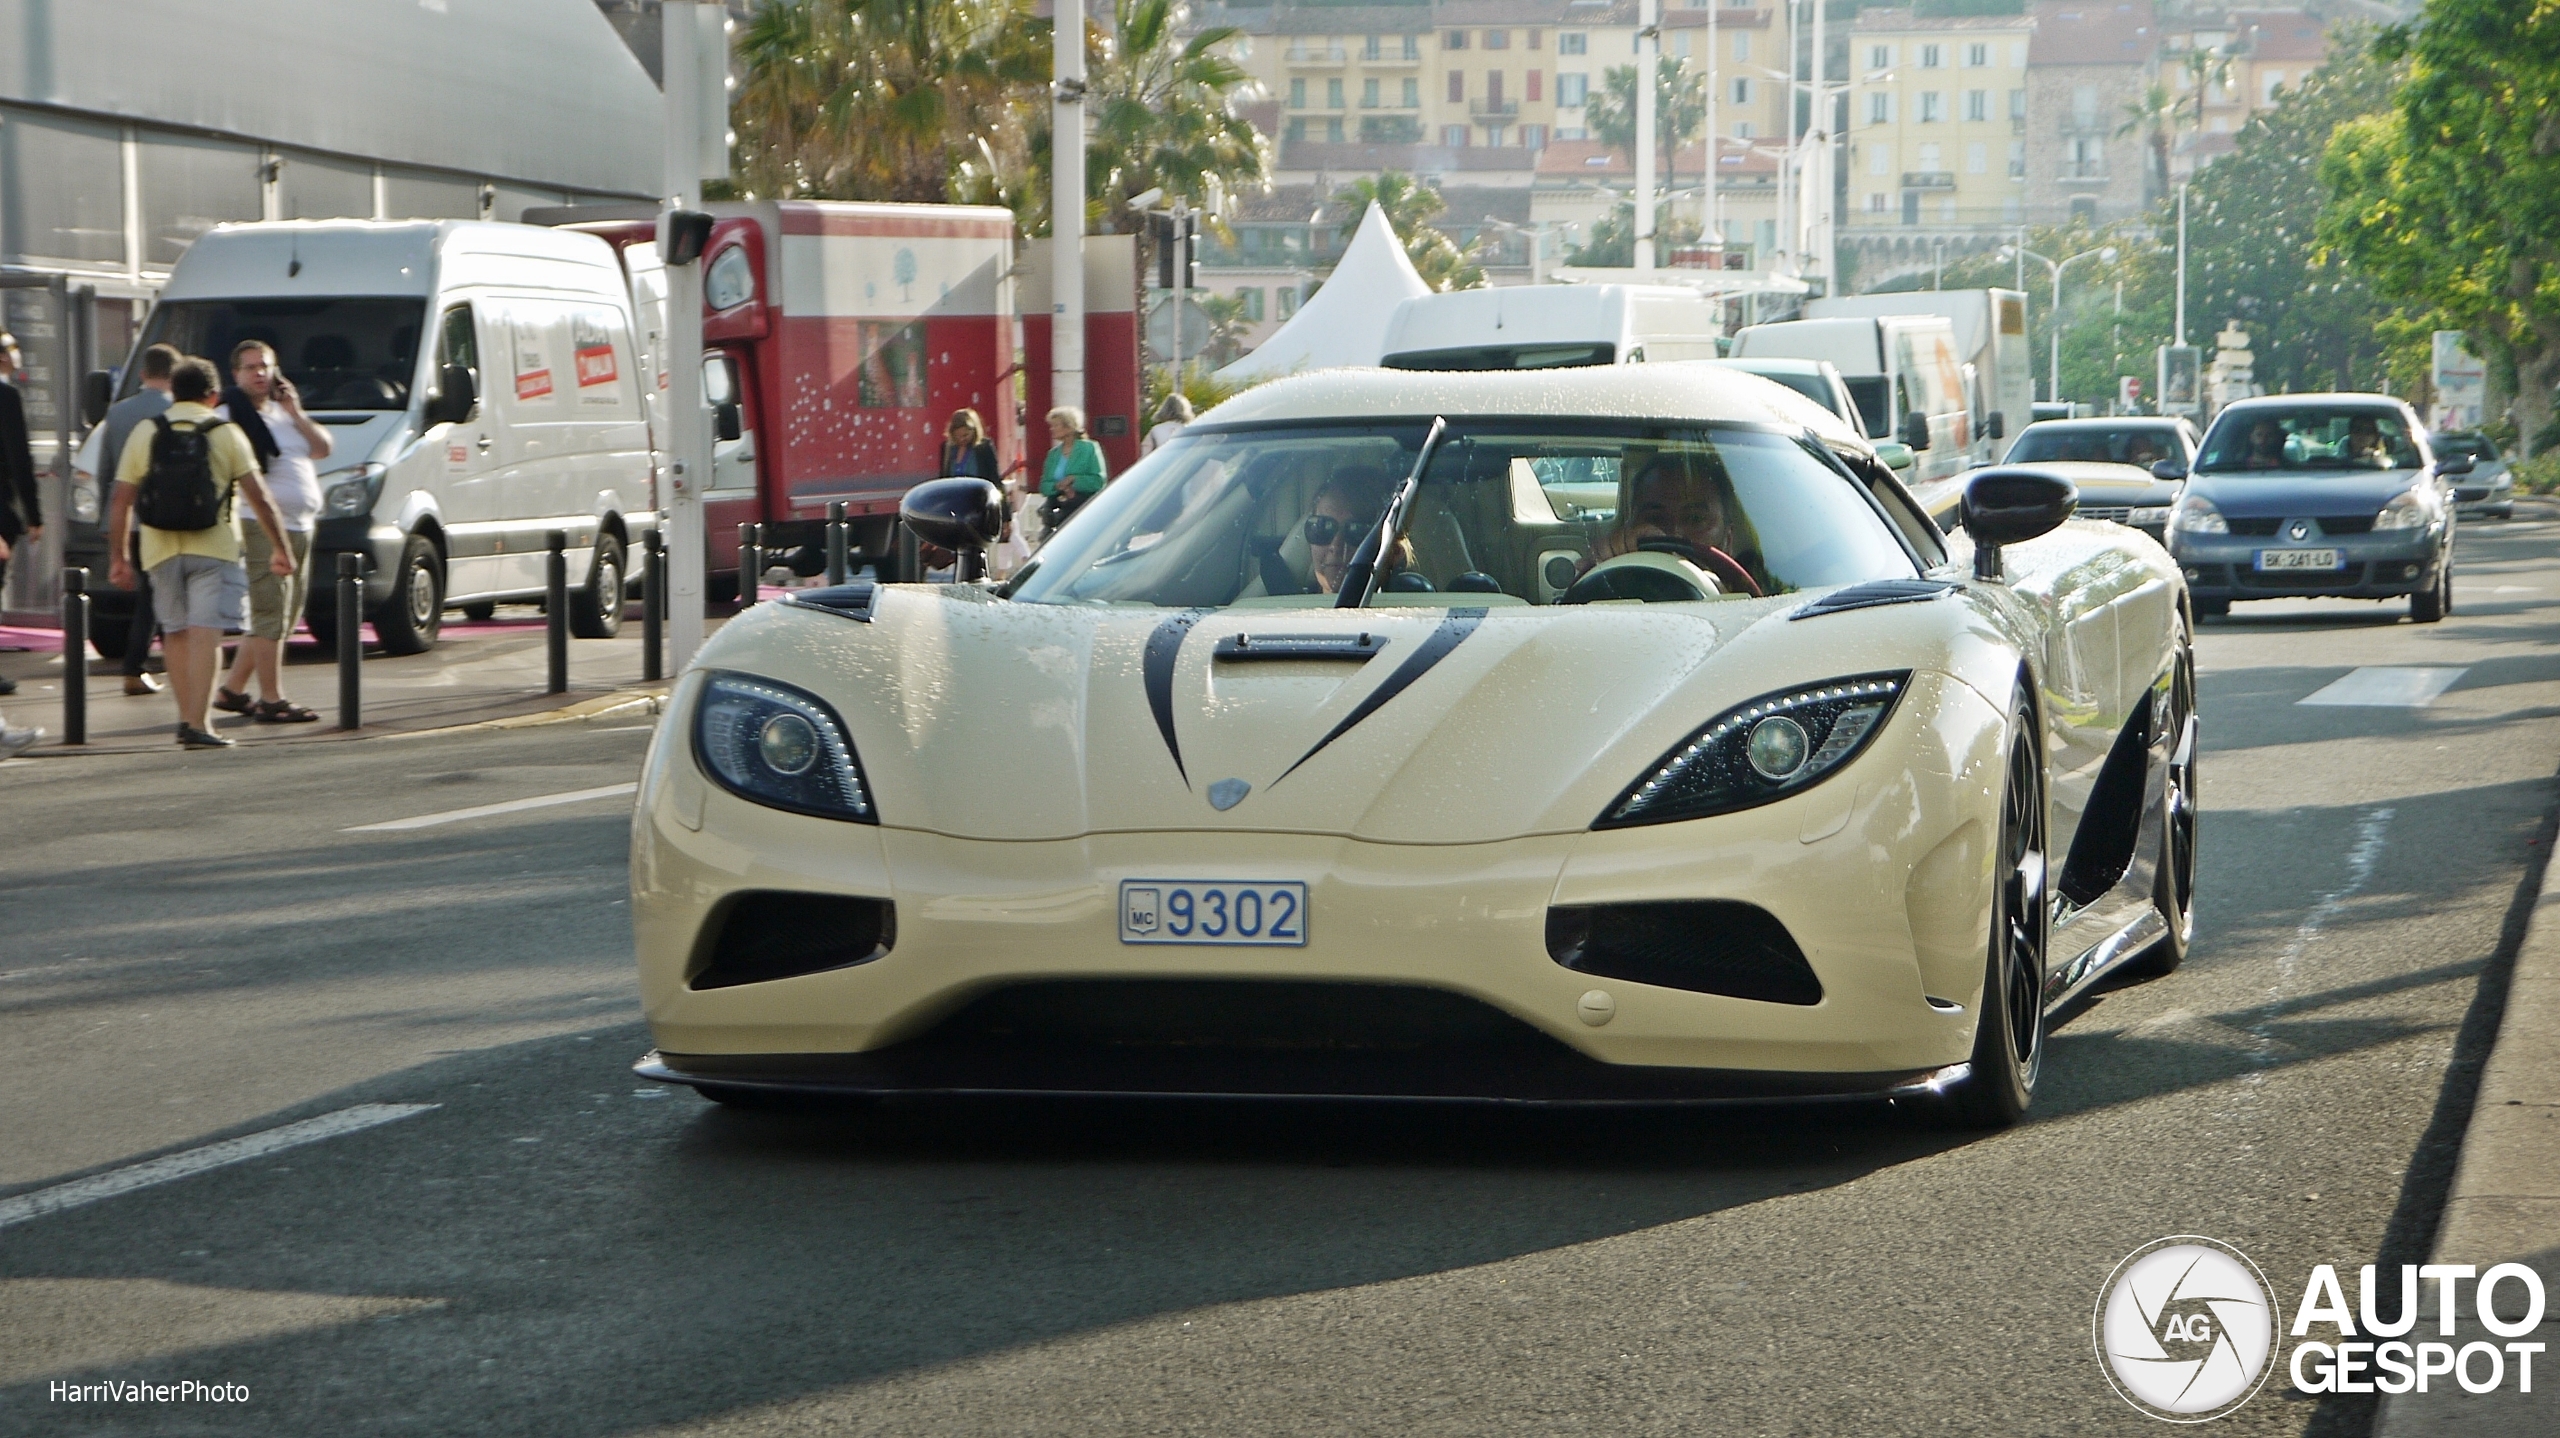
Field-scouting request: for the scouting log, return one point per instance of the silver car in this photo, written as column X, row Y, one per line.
column 2489, row 490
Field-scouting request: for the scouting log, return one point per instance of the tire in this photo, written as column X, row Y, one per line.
column 2173, row 890
column 2434, row 603
column 2212, row 608
column 410, row 619
column 2008, row 1035
column 480, row 613
column 595, row 611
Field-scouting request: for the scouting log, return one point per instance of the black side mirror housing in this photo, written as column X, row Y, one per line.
column 1915, row 430
column 961, row 515
column 2169, row 469
column 728, row 421
column 682, row 235
column 455, row 397
column 1998, row 425
column 97, row 391
column 2010, row 505
column 2453, row 464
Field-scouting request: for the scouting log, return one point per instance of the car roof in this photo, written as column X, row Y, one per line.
column 1773, row 364
column 2344, row 399
column 2122, row 421
column 1689, row 391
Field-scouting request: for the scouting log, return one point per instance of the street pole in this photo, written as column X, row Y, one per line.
column 1817, row 192
column 1181, row 284
column 2053, row 371
column 2181, row 326
column 688, row 426
column 1066, row 209
column 1710, row 233
column 1648, row 78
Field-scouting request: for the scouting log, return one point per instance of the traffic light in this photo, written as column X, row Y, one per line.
column 1177, row 243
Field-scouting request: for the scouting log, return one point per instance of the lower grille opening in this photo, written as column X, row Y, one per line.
column 1706, row 946
column 765, row 935
column 1247, row 1014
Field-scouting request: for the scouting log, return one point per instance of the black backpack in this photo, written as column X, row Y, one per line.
column 178, row 492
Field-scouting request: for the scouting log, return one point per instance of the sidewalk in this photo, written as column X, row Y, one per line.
column 2505, row 1204
column 477, row 673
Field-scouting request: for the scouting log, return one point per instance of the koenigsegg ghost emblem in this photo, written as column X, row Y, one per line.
column 1228, row 793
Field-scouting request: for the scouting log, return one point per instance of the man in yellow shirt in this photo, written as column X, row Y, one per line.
column 197, row 582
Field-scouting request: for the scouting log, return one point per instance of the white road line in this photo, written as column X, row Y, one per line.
column 2386, row 688
column 454, row 816
column 197, row 1160
column 2363, row 855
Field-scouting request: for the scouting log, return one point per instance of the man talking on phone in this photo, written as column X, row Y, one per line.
column 288, row 445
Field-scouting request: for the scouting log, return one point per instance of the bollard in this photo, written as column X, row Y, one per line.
column 555, row 606
column 910, row 556
column 350, row 639
column 653, row 606
column 750, row 563
column 837, row 543
column 75, row 656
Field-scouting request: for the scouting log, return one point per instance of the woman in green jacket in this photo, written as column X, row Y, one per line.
column 1073, row 471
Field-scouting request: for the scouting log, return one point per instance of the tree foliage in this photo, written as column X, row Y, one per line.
column 1679, row 111
column 1411, row 206
column 2449, row 199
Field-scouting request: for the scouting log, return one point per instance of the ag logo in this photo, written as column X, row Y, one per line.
column 2185, row 1329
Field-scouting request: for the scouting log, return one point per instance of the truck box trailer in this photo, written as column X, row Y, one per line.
column 1991, row 335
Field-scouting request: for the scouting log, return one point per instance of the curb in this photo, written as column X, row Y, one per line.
column 2504, row 1205
column 620, row 704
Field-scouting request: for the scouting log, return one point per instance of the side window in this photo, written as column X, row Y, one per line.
column 457, row 343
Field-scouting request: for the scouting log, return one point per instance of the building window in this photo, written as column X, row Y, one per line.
column 1680, row 44
column 1880, row 107
column 1932, row 107
column 1454, row 40
column 1879, row 159
column 1333, row 130
column 2018, row 55
column 1742, row 48
column 1572, row 90
column 1454, row 136
column 1977, row 56
column 1977, row 104
column 2017, row 159
column 1493, row 88
column 1534, row 87
column 2271, row 82
column 1288, row 301
column 1929, row 159
column 1573, row 43
column 1879, row 204
column 1252, row 304
column 1298, row 94
column 1412, row 93
column 1742, row 92
column 2018, row 106
column 1333, row 94
column 1533, row 137
column 1932, row 56
column 1742, row 129
column 1368, row 94
column 1536, row 37
column 1977, row 158
column 1457, row 86
column 1370, row 49
column 1493, row 137
column 1296, row 133
column 1413, row 47
column 1497, row 39
column 1879, row 57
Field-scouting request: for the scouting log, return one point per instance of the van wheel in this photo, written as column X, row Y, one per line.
column 408, row 623
column 480, row 613
column 595, row 612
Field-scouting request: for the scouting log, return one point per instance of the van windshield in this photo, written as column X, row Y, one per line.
column 1571, row 356
column 1873, row 392
column 355, row 353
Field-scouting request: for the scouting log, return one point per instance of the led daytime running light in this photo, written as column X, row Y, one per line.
column 1848, row 729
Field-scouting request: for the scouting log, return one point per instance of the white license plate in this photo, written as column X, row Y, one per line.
column 2298, row 559
column 1261, row 914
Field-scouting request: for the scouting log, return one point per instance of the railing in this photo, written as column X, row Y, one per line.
column 1493, row 109
column 2083, row 172
column 1318, row 55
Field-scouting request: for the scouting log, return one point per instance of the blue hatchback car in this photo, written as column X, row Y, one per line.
column 2332, row 495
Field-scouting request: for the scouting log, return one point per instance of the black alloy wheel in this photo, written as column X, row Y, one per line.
column 2008, row 1042
column 2173, row 889
column 595, row 612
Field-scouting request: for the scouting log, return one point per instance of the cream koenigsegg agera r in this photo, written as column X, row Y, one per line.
column 1616, row 735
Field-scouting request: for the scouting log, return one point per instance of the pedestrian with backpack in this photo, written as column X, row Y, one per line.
column 181, row 477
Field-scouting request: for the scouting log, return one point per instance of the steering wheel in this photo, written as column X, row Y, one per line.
column 1729, row 573
column 1648, row 576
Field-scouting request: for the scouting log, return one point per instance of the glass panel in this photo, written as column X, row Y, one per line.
column 189, row 186
column 409, row 195
column 2144, row 444
column 315, row 187
column 2308, row 439
column 341, row 353
column 61, row 190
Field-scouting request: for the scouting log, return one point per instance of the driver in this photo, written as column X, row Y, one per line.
column 2364, row 443
column 1674, row 496
column 2143, row 450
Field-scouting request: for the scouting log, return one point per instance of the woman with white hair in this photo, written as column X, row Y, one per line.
column 1073, row 472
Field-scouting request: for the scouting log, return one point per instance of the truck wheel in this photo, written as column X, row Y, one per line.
column 595, row 612
column 409, row 621
column 480, row 613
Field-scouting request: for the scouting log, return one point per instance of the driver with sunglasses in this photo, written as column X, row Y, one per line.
column 1346, row 509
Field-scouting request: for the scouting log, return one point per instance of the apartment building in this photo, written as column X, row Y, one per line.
column 1937, row 155
column 2088, row 65
column 2268, row 52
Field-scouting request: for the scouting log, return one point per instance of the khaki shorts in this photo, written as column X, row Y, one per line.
column 195, row 591
column 275, row 601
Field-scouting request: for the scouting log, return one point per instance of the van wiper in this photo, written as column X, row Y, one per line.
column 1360, row 578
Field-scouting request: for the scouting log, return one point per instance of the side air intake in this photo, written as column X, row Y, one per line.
column 1706, row 946
column 766, row 935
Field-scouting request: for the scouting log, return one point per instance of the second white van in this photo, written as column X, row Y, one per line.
column 1550, row 327
column 1903, row 370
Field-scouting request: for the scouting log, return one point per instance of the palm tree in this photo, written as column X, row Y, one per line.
column 2155, row 114
column 1164, row 117
column 1411, row 206
column 1679, row 112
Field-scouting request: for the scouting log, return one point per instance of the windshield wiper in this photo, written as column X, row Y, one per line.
column 1360, row 578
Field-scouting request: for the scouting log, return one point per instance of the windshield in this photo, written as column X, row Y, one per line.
column 2139, row 445
column 2278, row 440
column 2475, row 446
column 1573, row 356
column 1270, row 517
column 341, row 353
column 1812, row 386
column 1875, row 403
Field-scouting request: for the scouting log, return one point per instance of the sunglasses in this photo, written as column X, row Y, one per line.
column 1324, row 530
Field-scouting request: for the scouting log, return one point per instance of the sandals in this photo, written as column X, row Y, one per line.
column 282, row 711
column 232, row 701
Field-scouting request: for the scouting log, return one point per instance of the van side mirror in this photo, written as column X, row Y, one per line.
column 97, row 391
column 2007, row 505
column 1915, row 430
column 2169, row 469
column 682, row 234
column 727, row 421
column 455, row 397
column 1998, row 425
column 961, row 515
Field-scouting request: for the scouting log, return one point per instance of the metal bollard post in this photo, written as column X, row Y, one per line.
column 653, row 606
column 556, row 606
column 350, row 639
column 75, row 656
column 910, row 556
column 837, row 569
column 750, row 563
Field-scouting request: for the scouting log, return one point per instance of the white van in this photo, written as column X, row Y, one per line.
column 1550, row 327
column 482, row 387
column 1904, row 372
column 1991, row 337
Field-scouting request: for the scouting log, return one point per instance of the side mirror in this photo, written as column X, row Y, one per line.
column 2005, row 505
column 2169, row 469
column 2454, row 464
column 1915, row 430
column 1998, row 425
column 455, row 397
column 1894, row 455
column 961, row 515
column 727, row 421
column 682, row 234
column 97, row 391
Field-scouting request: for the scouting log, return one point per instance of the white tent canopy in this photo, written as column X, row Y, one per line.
column 1346, row 322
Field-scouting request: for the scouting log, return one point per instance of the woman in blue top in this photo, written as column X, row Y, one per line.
column 966, row 450
column 1073, row 472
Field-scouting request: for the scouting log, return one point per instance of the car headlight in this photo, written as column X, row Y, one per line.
column 83, row 499
column 1760, row 752
column 2148, row 514
column 2409, row 510
column 766, row 741
column 346, row 493
column 2196, row 515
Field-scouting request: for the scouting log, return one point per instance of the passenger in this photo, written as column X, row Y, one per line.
column 2143, row 450
column 1346, row 509
column 2266, row 446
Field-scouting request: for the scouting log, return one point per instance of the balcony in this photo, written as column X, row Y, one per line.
column 1392, row 59
column 1328, row 57
column 2083, row 172
column 1928, row 179
column 1493, row 109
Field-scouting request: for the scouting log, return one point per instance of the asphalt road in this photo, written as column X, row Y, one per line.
column 192, row 948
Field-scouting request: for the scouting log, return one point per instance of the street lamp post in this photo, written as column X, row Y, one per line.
column 2106, row 255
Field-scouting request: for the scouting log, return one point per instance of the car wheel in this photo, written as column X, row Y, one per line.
column 480, row 613
column 2173, row 890
column 409, row 621
column 595, row 612
column 2008, row 1034
column 2436, row 601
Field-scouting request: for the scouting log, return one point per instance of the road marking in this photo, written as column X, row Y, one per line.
column 197, row 1160
column 2362, row 856
column 455, row 816
column 2377, row 687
